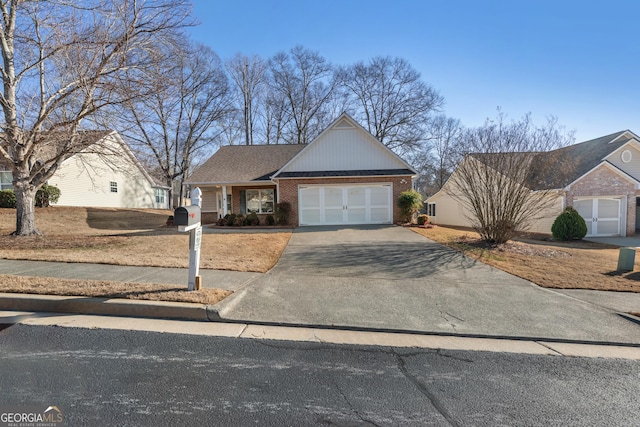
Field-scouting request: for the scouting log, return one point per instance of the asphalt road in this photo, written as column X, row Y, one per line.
column 125, row 378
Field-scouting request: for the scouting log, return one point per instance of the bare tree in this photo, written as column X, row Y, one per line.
column 248, row 74
column 503, row 180
column 178, row 118
column 307, row 81
column 392, row 101
column 62, row 62
column 273, row 117
column 444, row 134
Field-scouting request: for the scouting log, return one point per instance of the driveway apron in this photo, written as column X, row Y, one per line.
column 388, row 277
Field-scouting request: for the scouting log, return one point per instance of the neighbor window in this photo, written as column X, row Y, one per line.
column 113, row 186
column 159, row 195
column 259, row 201
column 431, row 209
column 6, row 181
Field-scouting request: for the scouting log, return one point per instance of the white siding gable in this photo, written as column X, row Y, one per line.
column 633, row 166
column 86, row 179
column 344, row 146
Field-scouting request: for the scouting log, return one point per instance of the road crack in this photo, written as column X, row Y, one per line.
column 435, row 402
column 353, row 409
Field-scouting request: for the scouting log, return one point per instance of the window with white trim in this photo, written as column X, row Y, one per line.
column 159, row 196
column 259, row 201
column 431, row 209
column 113, row 186
column 6, row 180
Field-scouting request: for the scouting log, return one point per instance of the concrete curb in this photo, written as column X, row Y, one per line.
column 162, row 310
column 106, row 306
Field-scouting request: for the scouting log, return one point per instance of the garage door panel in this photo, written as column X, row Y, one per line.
column 356, row 197
column 608, row 227
column 602, row 215
column 585, row 209
column 355, row 204
column 380, row 215
column 309, row 201
column 608, row 208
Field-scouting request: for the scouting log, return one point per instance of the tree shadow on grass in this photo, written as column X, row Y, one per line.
column 125, row 219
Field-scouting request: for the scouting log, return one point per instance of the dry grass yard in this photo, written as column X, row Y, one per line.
column 106, row 289
column 137, row 237
column 563, row 265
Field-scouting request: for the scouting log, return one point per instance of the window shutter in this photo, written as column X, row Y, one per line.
column 243, row 202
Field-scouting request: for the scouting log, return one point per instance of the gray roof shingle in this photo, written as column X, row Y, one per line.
column 244, row 163
column 558, row 168
column 579, row 159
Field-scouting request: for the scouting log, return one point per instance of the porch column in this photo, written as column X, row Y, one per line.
column 224, row 200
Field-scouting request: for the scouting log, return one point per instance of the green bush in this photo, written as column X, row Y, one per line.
column 283, row 209
column 252, row 219
column 423, row 219
column 46, row 195
column 7, row 199
column 569, row 225
column 238, row 221
column 270, row 220
column 409, row 203
column 231, row 219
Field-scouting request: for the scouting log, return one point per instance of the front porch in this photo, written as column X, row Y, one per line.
column 220, row 200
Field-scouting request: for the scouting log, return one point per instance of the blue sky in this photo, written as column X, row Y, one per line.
column 576, row 60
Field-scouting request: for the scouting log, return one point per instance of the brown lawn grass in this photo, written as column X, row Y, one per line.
column 106, row 289
column 562, row 265
column 134, row 237
column 137, row 237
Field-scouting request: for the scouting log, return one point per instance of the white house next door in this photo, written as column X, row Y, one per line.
column 602, row 215
column 345, row 204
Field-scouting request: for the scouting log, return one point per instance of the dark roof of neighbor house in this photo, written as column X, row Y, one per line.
column 245, row 163
column 579, row 158
column 559, row 168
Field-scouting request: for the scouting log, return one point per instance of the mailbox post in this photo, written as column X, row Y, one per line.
column 187, row 218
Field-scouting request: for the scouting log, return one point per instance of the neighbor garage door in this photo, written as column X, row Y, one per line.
column 602, row 215
column 345, row 204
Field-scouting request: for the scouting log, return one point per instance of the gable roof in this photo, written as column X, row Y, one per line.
column 568, row 164
column 243, row 164
column 364, row 156
column 583, row 157
column 235, row 164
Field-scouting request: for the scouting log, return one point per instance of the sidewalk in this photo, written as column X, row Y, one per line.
column 229, row 280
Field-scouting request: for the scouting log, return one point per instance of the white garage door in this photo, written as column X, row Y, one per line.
column 353, row 204
column 601, row 215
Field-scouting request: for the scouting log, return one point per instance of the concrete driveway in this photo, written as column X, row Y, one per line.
column 392, row 278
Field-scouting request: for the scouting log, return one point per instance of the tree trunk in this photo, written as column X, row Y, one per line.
column 25, row 208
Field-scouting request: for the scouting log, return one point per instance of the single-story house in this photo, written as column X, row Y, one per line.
column 343, row 176
column 601, row 181
column 105, row 173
